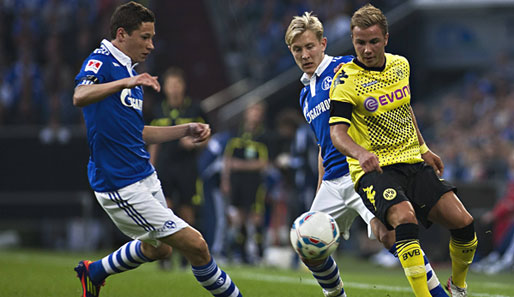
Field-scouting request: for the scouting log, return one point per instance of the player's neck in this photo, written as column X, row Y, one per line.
column 121, row 48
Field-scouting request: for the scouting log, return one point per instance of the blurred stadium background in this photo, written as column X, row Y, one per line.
column 233, row 53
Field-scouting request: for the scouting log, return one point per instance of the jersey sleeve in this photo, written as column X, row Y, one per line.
column 341, row 102
column 94, row 70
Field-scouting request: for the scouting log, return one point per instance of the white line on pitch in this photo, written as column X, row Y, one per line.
column 294, row 280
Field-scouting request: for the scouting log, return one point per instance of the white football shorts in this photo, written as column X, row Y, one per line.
column 338, row 198
column 139, row 210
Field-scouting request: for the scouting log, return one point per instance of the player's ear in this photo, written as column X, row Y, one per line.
column 386, row 38
column 324, row 42
column 121, row 33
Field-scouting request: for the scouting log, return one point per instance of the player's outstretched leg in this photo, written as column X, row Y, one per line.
column 92, row 275
column 436, row 290
column 463, row 244
column 326, row 273
column 409, row 253
column 387, row 238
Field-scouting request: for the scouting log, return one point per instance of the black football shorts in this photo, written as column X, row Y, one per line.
column 417, row 183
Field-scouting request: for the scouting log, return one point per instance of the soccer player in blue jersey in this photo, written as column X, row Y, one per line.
column 336, row 195
column 396, row 175
column 125, row 183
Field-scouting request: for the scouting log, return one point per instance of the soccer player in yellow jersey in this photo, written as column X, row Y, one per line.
column 396, row 175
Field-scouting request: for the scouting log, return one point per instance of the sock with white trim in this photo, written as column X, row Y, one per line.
column 327, row 275
column 215, row 280
column 127, row 257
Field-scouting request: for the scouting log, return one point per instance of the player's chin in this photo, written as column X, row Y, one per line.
column 309, row 69
column 367, row 61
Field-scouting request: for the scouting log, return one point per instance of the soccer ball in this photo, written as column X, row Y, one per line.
column 314, row 235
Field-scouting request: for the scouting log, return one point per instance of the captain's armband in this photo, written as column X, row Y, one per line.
column 88, row 80
column 340, row 112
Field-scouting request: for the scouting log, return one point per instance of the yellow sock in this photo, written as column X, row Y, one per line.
column 411, row 257
column 462, row 254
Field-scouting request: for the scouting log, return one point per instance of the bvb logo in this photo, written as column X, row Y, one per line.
column 389, row 194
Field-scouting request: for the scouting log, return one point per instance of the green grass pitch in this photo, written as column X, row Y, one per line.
column 32, row 273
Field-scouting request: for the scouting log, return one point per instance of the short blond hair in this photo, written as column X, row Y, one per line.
column 300, row 24
column 368, row 16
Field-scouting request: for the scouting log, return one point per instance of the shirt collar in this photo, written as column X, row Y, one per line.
column 321, row 67
column 118, row 55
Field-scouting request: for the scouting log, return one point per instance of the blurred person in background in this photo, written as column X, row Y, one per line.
column 124, row 181
column 396, row 175
column 61, row 111
column 335, row 193
column 304, row 161
column 246, row 158
column 25, row 96
column 214, row 206
column 176, row 161
column 280, row 182
column 501, row 217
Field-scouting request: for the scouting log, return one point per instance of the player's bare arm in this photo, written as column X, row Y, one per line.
column 429, row 157
column 89, row 94
column 345, row 144
column 198, row 131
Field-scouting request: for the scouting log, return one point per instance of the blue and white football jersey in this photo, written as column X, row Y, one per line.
column 118, row 156
column 315, row 103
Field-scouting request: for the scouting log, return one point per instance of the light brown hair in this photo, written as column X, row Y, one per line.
column 367, row 16
column 300, row 24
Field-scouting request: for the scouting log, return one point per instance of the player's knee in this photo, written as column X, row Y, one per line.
column 465, row 220
column 200, row 247
column 197, row 251
column 401, row 213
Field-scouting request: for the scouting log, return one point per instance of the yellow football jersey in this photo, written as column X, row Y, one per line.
column 381, row 121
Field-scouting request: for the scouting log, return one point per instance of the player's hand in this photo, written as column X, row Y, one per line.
column 199, row 132
column 435, row 161
column 187, row 142
column 144, row 79
column 369, row 162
